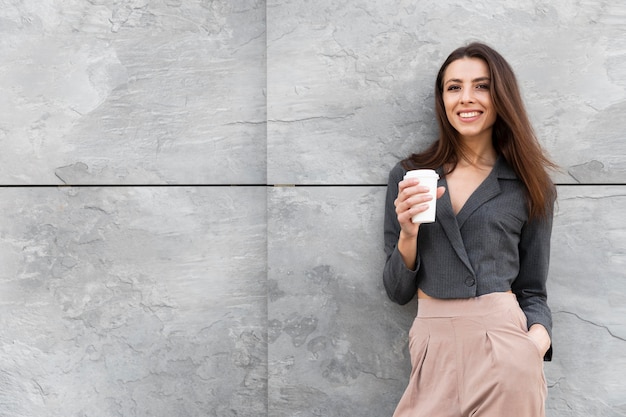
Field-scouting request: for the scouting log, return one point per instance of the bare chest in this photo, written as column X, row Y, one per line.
column 462, row 183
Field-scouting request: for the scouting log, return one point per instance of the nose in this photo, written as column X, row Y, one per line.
column 467, row 95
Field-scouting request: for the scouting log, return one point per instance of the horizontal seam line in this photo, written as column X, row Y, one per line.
column 249, row 185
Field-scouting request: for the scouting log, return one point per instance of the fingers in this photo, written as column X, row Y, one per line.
column 409, row 188
column 412, row 199
column 411, row 193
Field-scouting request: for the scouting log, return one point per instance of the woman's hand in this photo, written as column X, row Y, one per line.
column 540, row 336
column 412, row 199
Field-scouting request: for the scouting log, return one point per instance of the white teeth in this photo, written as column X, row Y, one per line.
column 469, row 114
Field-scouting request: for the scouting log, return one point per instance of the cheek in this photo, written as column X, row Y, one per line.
column 449, row 106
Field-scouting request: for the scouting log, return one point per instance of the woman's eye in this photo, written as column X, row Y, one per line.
column 483, row 86
column 453, row 87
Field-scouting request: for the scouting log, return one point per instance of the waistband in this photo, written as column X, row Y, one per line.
column 476, row 306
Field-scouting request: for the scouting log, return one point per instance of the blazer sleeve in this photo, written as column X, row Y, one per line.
column 530, row 284
column 400, row 282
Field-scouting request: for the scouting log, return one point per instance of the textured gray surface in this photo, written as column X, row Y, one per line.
column 256, row 300
column 132, row 302
column 338, row 347
column 588, row 298
column 350, row 85
column 132, row 92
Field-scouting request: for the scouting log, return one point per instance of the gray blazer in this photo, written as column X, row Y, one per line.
column 490, row 246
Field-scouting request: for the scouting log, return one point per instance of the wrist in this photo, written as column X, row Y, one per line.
column 408, row 237
column 541, row 336
column 407, row 246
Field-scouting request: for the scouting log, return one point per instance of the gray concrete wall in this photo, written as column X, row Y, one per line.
column 174, row 277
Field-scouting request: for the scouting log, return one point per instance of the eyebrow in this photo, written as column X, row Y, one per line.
column 475, row 80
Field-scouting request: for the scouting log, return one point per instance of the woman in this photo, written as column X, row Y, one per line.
column 483, row 326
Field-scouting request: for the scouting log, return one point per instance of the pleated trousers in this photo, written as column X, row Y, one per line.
column 473, row 358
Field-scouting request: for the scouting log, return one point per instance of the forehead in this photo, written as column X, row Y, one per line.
column 466, row 68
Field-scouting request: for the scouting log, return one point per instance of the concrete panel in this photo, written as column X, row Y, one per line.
column 132, row 92
column 350, row 85
column 337, row 346
column 588, row 298
column 132, row 301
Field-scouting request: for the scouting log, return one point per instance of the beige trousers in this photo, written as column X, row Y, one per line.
column 473, row 358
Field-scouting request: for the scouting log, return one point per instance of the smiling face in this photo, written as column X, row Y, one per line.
column 467, row 98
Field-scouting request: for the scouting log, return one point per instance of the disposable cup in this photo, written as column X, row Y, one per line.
column 428, row 178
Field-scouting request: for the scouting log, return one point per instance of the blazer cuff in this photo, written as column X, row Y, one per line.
column 400, row 281
column 548, row 356
column 547, row 324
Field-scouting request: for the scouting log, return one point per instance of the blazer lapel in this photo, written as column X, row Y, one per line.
column 448, row 222
column 451, row 223
column 487, row 190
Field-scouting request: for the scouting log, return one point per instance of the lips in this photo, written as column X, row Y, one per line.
column 469, row 114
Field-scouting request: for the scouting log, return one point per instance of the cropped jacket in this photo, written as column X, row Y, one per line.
column 489, row 246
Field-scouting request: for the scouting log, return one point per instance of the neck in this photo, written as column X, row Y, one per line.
column 479, row 154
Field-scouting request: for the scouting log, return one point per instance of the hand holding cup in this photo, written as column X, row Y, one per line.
column 416, row 202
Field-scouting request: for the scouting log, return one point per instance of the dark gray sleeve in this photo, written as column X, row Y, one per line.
column 400, row 282
column 530, row 284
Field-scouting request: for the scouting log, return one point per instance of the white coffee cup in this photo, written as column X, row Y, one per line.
column 428, row 178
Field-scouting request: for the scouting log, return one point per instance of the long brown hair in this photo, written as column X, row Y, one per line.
column 513, row 136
